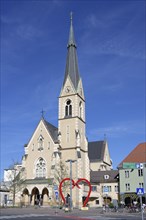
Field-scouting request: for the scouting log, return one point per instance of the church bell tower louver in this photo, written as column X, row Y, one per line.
column 71, row 120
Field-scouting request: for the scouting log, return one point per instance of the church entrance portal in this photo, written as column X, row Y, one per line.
column 107, row 200
column 25, row 197
column 44, row 197
column 39, row 199
column 35, row 196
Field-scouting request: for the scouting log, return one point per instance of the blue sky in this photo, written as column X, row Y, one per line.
column 110, row 38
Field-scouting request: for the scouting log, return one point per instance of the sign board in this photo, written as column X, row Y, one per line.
column 139, row 165
column 140, row 191
column 55, row 187
column 133, row 165
column 129, row 165
column 56, row 194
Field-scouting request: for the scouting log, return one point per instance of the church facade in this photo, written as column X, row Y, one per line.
column 47, row 153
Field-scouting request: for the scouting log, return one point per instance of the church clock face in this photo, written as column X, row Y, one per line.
column 67, row 89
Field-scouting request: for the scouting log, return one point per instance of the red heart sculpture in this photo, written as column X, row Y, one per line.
column 73, row 185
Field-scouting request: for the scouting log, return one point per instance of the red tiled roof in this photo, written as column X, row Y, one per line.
column 138, row 155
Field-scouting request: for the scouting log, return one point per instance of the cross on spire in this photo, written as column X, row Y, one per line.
column 42, row 112
column 71, row 16
column 105, row 138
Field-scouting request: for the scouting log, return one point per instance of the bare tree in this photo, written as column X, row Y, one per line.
column 15, row 180
column 61, row 172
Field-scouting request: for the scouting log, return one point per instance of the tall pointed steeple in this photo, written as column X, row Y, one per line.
column 71, row 62
column 71, row 41
column 71, row 118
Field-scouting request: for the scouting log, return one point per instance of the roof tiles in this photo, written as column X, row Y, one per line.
column 138, row 155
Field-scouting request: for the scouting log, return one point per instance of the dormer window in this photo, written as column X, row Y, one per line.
column 106, row 177
column 68, row 108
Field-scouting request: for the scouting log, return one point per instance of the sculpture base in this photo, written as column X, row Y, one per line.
column 84, row 208
column 66, row 209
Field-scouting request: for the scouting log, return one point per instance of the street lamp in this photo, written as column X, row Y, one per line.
column 70, row 161
column 144, row 177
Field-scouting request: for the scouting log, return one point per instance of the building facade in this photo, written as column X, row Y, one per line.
column 105, row 187
column 132, row 172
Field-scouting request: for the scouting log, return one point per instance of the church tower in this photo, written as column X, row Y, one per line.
column 71, row 121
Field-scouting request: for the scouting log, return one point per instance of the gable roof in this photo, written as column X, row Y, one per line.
column 99, row 176
column 138, row 155
column 53, row 131
column 96, row 150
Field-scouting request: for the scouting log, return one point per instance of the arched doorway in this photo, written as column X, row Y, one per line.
column 25, row 197
column 128, row 201
column 45, row 196
column 107, row 200
column 35, row 196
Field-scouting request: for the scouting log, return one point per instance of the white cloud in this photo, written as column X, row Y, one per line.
column 119, row 129
column 112, row 87
column 114, row 45
column 28, row 32
column 57, row 2
column 8, row 20
column 93, row 21
column 117, row 33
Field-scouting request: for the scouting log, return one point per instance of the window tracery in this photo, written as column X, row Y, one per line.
column 40, row 168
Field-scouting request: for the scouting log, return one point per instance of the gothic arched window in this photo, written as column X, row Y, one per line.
column 40, row 142
column 40, row 168
column 68, row 108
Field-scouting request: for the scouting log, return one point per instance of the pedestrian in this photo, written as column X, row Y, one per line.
column 103, row 208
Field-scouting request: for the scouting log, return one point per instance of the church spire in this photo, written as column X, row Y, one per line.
column 71, row 61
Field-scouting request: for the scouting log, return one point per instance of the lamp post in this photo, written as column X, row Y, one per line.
column 105, row 190
column 70, row 161
column 144, row 177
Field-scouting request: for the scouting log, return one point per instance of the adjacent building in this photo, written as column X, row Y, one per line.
column 99, row 156
column 105, row 187
column 132, row 175
column 4, row 195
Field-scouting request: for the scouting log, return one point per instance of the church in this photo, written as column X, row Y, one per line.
column 50, row 149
